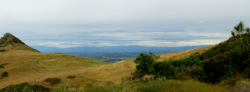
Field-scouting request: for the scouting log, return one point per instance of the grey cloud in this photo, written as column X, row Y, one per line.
column 120, row 22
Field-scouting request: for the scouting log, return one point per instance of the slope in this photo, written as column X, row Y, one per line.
column 28, row 65
column 25, row 64
column 116, row 72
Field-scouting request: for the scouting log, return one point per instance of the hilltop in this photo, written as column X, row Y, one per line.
column 16, row 44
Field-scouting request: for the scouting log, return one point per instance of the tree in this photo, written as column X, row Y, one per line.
column 240, row 29
column 233, row 33
column 248, row 29
column 156, row 57
column 145, row 65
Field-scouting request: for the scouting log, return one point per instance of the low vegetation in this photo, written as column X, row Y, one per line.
column 222, row 68
column 4, row 74
column 158, row 85
column 71, row 77
column 53, row 81
column 222, row 62
column 2, row 65
column 25, row 87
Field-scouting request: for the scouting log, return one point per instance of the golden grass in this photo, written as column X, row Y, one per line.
column 117, row 71
column 27, row 65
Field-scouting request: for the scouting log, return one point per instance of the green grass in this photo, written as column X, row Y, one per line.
column 150, row 86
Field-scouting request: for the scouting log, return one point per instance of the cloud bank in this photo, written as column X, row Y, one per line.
column 153, row 23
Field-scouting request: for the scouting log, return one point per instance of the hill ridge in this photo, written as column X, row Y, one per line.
column 9, row 38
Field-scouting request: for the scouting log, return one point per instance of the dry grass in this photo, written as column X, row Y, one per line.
column 184, row 54
column 27, row 65
column 117, row 71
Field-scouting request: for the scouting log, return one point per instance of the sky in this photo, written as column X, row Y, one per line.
column 151, row 23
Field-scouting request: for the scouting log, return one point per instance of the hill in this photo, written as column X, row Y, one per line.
column 25, row 64
column 226, row 65
column 16, row 43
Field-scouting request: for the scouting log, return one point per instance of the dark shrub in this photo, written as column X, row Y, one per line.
column 246, row 72
column 25, row 87
column 194, row 71
column 71, row 77
column 2, row 65
column 186, row 62
column 53, row 80
column 164, row 69
column 145, row 65
column 4, row 74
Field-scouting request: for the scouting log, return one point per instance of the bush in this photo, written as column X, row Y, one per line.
column 4, row 74
column 246, row 72
column 25, row 87
column 53, row 80
column 145, row 65
column 186, row 62
column 164, row 69
column 71, row 77
column 195, row 71
column 2, row 65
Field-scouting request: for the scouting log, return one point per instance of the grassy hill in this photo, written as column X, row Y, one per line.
column 24, row 64
column 34, row 67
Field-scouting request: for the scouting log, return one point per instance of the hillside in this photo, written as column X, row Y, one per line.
column 25, row 64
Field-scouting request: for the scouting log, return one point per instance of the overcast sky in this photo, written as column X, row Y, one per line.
column 159, row 23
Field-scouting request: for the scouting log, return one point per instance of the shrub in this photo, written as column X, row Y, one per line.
column 53, row 80
column 2, row 65
column 186, row 62
column 145, row 65
column 25, row 87
column 246, row 72
column 195, row 71
column 4, row 74
column 164, row 69
column 71, row 77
